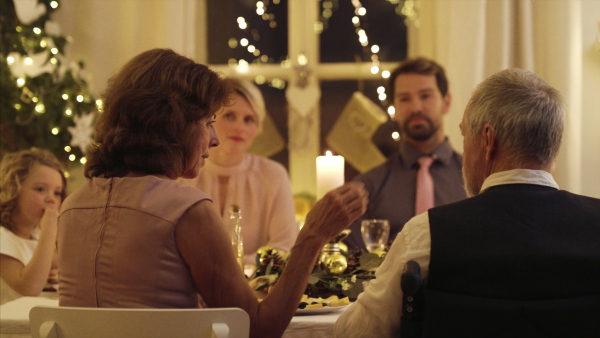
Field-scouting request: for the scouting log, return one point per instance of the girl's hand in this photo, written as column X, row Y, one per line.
column 49, row 219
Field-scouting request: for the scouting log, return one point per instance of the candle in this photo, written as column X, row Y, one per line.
column 330, row 173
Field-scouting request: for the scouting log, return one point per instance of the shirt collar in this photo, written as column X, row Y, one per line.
column 409, row 154
column 520, row 176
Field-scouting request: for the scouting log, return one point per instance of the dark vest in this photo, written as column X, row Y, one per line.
column 517, row 241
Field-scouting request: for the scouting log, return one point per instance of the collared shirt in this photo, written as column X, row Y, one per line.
column 392, row 185
column 377, row 311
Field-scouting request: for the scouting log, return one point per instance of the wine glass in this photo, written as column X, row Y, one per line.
column 375, row 233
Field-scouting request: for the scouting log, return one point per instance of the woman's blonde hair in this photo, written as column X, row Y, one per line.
column 14, row 169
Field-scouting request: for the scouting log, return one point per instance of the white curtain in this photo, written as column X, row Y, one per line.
column 557, row 39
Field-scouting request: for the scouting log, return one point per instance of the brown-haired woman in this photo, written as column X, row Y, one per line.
column 134, row 237
column 32, row 188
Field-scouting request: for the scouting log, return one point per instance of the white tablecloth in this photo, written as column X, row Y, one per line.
column 14, row 320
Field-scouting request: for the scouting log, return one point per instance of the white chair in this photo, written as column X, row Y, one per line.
column 77, row 322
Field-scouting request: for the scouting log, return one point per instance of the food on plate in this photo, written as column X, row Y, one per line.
column 316, row 303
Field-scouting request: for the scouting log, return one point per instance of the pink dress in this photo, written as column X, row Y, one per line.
column 116, row 244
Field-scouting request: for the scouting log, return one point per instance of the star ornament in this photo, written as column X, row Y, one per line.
column 81, row 133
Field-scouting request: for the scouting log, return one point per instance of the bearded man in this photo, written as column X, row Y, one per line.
column 421, row 99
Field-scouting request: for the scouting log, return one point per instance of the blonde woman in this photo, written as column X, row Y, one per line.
column 258, row 185
column 33, row 186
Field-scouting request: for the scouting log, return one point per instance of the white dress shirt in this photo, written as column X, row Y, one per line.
column 377, row 311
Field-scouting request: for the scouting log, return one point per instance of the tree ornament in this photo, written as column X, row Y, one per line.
column 29, row 10
column 81, row 134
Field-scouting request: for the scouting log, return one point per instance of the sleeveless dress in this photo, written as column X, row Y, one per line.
column 116, row 244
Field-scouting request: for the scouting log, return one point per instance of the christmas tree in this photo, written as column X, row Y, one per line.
column 45, row 101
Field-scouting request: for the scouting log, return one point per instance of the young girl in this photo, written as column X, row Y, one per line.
column 32, row 187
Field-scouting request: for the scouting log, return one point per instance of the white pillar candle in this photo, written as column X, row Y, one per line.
column 330, row 173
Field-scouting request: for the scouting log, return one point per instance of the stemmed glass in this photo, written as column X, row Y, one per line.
column 375, row 233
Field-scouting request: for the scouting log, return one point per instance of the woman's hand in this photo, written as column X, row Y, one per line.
column 336, row 210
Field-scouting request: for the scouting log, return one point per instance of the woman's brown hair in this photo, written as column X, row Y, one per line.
column 151, row 108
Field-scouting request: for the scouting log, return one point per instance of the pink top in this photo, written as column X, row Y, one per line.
column 116, row 244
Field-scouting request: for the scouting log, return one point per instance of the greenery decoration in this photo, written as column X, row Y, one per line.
column 45, row 101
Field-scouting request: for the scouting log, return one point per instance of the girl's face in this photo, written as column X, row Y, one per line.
column 237, row 126
column 42, row 188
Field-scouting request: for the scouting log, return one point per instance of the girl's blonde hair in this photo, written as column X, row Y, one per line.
column 14, row 169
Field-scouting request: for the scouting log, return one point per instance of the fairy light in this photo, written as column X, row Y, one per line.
column 53, row 61
column 20, row 82
column 79, row 98
column 43, row 43
column 385, row 74
column 68, row 149
column 72, row 157
column 242, row 23
column 361, row 11
column 67, row 174
column 242, row 66
column 55, row 131
column 54, row 4
column 382, row 97
column 302, row 59
column 68, row 111
column 34, row 99
column 375, row 49
column 374, row 70
column 36, row 30
column 10, row 60
column 396, row 135
column 54, row 51
column 28, row 61
column 233, row 42
column 391, row 111
column 65, row 96
column 82, row 160
column 17, row 106
column 40, row 108
column 260, row 79
column 19, row 29
column 251, row 48
column 380, row 89
column 244, row 42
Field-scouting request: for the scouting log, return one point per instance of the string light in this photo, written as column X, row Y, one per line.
column 55, row 131
column 20, row 82
column 65, row 96
column 54, row 4
column 385, row 74
column 82, row 160
column 396, row 135
column 36, row 30
column 79, row 98
column 40, row 108
column 10, row 60
column 72, row 157
column 68, row 149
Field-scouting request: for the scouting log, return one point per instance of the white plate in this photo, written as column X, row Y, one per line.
column 321, row 310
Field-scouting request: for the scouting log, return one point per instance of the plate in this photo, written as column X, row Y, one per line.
column 321, row 310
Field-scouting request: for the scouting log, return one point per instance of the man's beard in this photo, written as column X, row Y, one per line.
column 419, row 132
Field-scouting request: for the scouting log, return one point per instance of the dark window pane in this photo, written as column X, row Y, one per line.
column 339, row 40
column 268, row 33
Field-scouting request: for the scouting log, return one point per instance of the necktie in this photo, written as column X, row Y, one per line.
column 424, row 197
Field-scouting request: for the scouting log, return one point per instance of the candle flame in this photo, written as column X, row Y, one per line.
column 328, row 153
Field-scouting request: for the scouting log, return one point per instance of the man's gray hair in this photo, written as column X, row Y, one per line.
column 525, row 112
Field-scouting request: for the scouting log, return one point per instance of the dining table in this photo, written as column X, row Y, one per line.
column 14, row 319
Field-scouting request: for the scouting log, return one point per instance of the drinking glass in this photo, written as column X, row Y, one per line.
column 375, row 233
